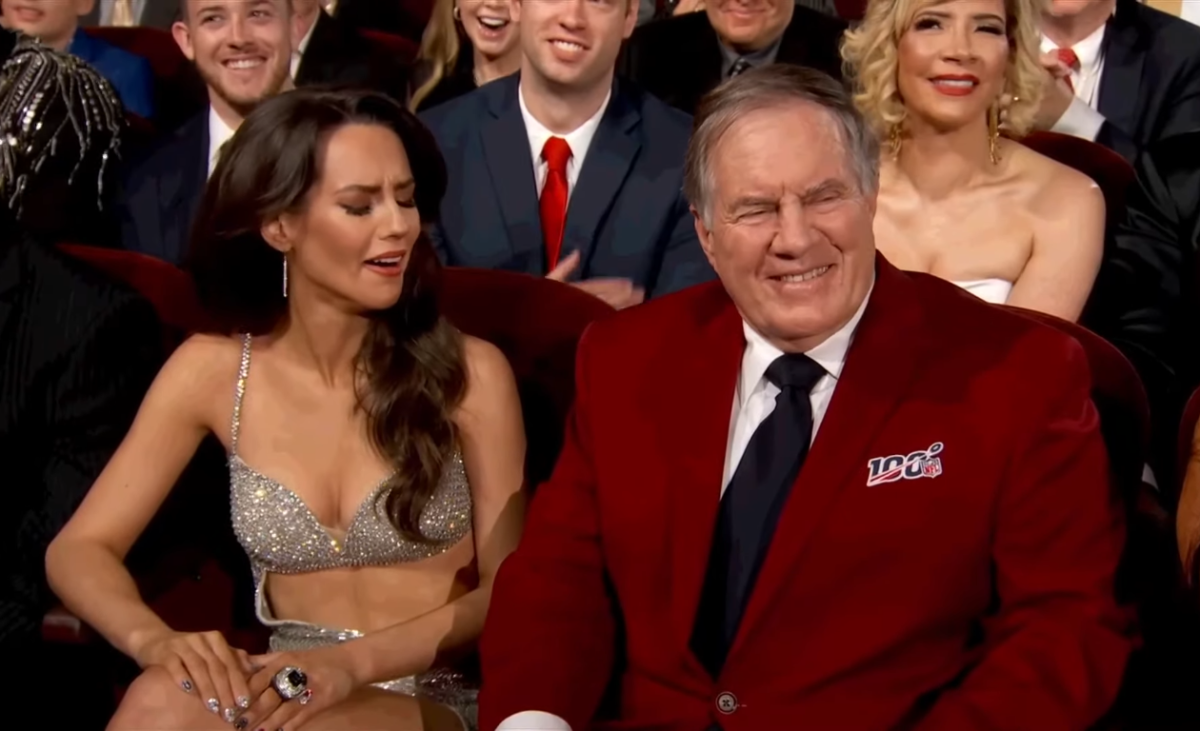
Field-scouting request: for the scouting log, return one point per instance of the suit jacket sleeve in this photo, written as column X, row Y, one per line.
column 1140, row 293
column 91, row 401
column 683, row 262
column 549, row 643
column 1055, row 651
column 1181, row 114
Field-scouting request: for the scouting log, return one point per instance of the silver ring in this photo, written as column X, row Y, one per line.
column 289, row 682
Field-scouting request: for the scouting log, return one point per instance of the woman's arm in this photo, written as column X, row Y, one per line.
column 85, row 563
column 1187, row 518
column 492, row 435
column 1068, row 243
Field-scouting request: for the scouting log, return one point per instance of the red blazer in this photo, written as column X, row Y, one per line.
column 980, row 597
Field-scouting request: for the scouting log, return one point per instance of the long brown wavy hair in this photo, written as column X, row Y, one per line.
column 411, row 362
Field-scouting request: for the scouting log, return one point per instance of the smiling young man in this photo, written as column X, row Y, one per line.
column 242, row 49
column 559, row 171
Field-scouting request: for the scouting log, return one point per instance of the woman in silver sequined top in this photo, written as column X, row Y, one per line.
column 376, row 454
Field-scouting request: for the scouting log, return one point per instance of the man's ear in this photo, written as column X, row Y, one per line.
column 704, row 235
column 83, row 7
column 183, row 38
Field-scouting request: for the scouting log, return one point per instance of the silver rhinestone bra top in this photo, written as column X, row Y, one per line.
column 281, row 535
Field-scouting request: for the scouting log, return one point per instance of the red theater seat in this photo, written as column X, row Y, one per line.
column 537, row 323
column 1111, row 172
column 388, row 44
column 179, row 93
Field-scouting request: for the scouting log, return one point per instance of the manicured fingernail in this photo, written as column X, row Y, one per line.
column 187, row 686
column 229, row 715
column 213, row 704
column 243, row 702
column 241, row 723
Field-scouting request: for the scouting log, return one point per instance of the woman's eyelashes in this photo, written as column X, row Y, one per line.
column 366, row 210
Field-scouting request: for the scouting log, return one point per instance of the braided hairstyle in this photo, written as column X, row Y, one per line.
column 61, row 126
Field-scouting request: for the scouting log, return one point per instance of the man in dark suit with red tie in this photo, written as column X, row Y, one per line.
column 561, row 171
column 941, row 559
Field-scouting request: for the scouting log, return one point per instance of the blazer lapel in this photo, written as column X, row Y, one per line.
column 510, row 165
column 608, row 161
column 694, row 440
column 864, row 399
column 1121, row 89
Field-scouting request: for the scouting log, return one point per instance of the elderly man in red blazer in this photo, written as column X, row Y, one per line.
column 941, row 558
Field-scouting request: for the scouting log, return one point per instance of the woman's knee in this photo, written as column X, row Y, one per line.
column 155, row 701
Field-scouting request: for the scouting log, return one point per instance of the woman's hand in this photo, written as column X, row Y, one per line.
column 329, row 680
column 205, row 664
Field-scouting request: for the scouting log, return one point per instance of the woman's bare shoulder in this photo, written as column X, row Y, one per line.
column 490, row 378
column 202, row 370
column 1056, row 189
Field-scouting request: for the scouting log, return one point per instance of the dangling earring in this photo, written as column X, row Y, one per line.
column 994, row 133
column 894, row 141
column 285, row 287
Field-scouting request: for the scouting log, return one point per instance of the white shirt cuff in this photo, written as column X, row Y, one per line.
column 533, row 721
column 1079, row 120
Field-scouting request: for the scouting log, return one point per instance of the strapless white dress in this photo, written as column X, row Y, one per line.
column 995, row 291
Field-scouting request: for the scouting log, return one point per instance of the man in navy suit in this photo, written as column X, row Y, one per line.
column 242, row 49
column 56, row 24
column 562, row 171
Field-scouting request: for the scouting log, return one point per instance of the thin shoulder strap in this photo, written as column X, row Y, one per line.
column 239, row 394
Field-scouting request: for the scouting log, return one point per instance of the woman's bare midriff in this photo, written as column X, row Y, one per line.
column 369, row 599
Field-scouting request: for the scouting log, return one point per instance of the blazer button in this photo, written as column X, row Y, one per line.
column 727, row 703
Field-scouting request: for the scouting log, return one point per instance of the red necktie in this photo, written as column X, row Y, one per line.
column 1070, row 60
column 553, row 203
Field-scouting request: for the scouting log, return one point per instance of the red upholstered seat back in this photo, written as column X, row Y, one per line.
column 388, row 44
column 167, row 287
column 537, row 323
column 1111, row 172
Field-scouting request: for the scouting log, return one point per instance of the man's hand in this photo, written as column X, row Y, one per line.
column 616, row 292
column 1056, row 93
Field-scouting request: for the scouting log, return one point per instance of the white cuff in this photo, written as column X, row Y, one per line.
column 533, row 721
column 1079, row 120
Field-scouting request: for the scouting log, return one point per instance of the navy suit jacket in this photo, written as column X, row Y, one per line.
column 131, row 76
column 627, row 215
column 162, row 192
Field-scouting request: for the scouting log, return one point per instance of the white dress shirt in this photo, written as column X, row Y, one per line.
column 218, row 134
column 753, row 402
column 579, row 141
column 1081, row 118
column 106, row 10
column 298, row 54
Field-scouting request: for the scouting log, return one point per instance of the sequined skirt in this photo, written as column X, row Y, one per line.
column 442, row 686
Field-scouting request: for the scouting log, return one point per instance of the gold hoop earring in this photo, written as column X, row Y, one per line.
column 894, row 141
column 285, row 282
column 994, row 133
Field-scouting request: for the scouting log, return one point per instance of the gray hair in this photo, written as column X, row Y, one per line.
column 771, row 86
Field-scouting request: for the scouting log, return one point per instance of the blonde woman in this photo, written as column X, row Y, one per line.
column 466, row 44
column 957, row 199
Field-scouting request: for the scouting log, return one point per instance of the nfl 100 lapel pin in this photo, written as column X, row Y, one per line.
column 911, row 466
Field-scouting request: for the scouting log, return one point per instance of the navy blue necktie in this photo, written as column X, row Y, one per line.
column 751, row 506
column 739, row 67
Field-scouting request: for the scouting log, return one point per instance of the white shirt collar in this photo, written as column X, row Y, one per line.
column 218, row 134
column 830, row 354
column 298, row 54
column 579, row 140
column 1087, row 51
